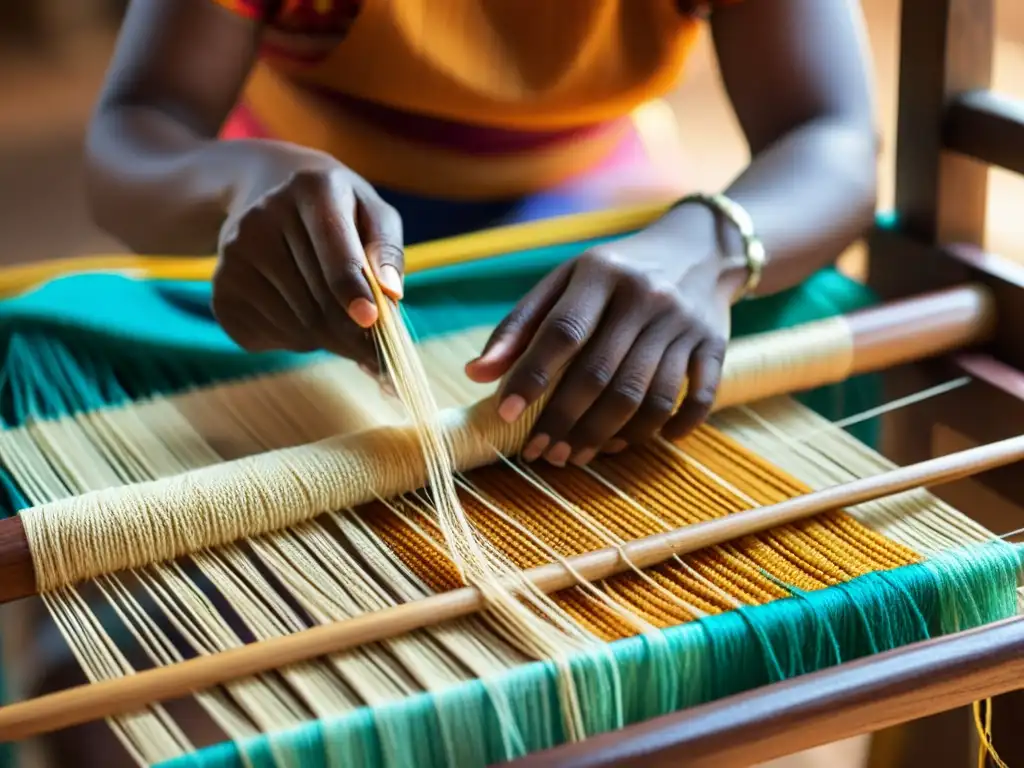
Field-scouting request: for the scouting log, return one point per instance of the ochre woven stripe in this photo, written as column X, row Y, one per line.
column 827, row 550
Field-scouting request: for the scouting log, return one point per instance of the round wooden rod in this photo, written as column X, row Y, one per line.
column 900, row 332
column 128, row 694
column 921, row 327
column 852, row 699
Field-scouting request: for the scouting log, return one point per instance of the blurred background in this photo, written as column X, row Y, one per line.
column 53, row 54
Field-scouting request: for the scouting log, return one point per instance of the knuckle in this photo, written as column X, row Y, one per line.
column 308, row 181
column 630, row 391
column 248, row 231
column 636, row 284
column 536, row 379
column 703, row 398
column 716, row 347
column 227, row 242
column 592, row 257
column 604, row 257
column 658, row 406
column 568, row 330
column 514, row 322
column 344, row 278
column 390, row 253
column 597, row 372
column 663, row 298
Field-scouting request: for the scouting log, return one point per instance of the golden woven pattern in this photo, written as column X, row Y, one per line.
column 672, row 489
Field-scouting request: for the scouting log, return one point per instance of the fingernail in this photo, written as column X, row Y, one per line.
column 615, row 446
column 512, row 408
column 559, row 454
column 391, row 281
column 535, row 447
column 362, row 312
column 584, row 457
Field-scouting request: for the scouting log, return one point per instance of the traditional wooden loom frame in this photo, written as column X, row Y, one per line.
column 951, row 128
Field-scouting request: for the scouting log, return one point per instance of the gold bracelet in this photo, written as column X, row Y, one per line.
column 753, row 249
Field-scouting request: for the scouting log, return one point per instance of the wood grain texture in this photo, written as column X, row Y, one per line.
column 946, row 53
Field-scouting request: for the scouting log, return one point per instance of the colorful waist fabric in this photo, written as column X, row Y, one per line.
column 440, row 159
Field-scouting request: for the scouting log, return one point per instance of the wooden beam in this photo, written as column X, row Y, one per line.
column 987, row 127
column 848, row 700
column 913, row 267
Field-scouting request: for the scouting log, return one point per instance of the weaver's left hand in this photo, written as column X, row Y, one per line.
column 619, row 328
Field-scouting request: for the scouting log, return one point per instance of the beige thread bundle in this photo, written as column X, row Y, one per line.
column 128, row 526
column 524, row 615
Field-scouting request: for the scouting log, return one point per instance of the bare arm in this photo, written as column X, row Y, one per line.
column 797, row 74
column 293, row 229
column 158, row 178
column 625, row 324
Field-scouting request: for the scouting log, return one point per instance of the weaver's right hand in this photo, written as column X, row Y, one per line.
column 293, row 252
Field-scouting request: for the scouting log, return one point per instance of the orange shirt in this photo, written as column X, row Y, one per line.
column 386, row 85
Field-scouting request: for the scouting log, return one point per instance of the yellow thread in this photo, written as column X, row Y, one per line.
column 829, row 550
column 418, row 258
column 984, row 729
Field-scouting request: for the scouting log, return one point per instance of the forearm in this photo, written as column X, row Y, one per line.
column 157, row 186
column 810, row 195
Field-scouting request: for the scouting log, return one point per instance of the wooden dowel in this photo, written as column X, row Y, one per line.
column 883, row 336
column 124, row 695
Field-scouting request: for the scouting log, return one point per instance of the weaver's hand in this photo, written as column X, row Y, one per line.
column 293, row 254
column 619, row 328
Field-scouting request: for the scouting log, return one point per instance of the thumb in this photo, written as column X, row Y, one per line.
column 381, row 228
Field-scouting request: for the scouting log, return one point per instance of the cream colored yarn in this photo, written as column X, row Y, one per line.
column 130, row 526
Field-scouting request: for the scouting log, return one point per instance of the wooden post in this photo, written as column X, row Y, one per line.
column 946, row 48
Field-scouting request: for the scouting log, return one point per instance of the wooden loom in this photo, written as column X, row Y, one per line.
column 941, row 75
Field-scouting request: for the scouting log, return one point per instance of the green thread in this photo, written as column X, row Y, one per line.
column 713, row 657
